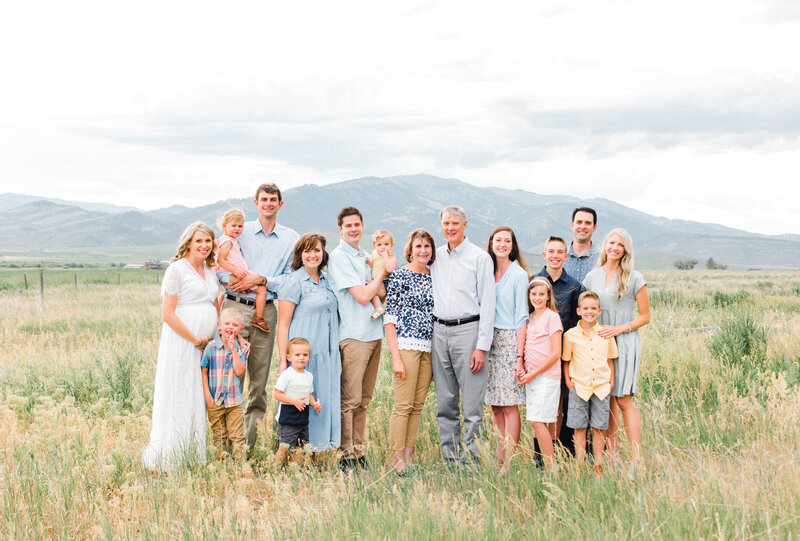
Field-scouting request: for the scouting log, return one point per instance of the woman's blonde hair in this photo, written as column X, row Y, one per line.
column 625, row 264
column 186, row 238
column 229, row 216
column 551, row 299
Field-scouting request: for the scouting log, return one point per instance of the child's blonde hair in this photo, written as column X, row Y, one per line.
column 229, row 216
column 299, row 341
column 379, row 234
column 234, row 313
column 588, row 295
column 551, row 299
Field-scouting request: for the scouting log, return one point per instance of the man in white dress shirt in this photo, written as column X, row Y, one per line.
column 463, row 319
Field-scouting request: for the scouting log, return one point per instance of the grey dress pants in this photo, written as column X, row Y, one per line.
column 452, row 348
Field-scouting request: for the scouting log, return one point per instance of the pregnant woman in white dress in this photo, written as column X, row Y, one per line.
column 189, row 290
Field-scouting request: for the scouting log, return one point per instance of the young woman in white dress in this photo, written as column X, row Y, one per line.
column 189, row 290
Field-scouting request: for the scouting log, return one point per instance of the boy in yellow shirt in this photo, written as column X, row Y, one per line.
column 589, row 374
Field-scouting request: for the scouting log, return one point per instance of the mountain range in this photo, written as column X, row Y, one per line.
column 399, row 204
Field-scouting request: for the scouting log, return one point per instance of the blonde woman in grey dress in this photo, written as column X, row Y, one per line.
column 620, row 287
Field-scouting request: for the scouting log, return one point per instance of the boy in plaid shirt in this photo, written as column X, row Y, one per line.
column 224, row 362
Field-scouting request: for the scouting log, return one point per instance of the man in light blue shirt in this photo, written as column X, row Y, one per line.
column 463, row 325
column 267, row 248
column 359, row 336
column 581, row 253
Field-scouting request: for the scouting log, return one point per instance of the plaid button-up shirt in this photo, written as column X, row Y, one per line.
column 223, row 383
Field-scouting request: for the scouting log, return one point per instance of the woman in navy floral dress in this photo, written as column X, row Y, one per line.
column 409, row 329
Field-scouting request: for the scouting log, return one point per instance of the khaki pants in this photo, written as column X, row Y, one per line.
column 227, row 428
column 261, row 346
column 409, row 397
column 360, row 362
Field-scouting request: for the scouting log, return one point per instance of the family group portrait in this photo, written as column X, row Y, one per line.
column 414, row 270
column 470, row 319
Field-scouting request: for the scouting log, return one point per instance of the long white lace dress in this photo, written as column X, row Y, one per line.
column 178, row 434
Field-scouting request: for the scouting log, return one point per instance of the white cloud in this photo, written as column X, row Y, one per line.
column 133, row 103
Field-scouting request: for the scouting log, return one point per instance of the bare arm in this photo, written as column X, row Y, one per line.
column 522, row 332
column 363, row 294
column 285, row 312
column 567, row 379
column 169, row 317
column 313, row 402
column 555, row 355
column 222, row 260
column 206, row 390
column 398, row 368
column 643, row 307
column 238, row 366
column 280, row 396
column 245, row 284
column 611, row 366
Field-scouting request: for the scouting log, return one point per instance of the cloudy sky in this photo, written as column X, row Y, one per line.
column 682, row 109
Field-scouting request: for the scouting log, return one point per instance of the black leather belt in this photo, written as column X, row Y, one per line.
column 244, row 300
column 454, row 322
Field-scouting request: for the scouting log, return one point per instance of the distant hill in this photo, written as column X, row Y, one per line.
column 401, row 204
column 14, row 200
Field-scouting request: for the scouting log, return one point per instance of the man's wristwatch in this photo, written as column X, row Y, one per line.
column 263, row 281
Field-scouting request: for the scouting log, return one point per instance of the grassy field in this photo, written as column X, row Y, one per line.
column 718, row 394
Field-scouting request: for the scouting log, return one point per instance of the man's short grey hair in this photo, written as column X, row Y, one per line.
column 454, row 210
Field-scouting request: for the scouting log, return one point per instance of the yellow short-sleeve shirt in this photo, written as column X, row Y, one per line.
column 588, row 354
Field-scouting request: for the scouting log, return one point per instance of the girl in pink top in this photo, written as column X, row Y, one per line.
column 540, row 370
column 230, row 258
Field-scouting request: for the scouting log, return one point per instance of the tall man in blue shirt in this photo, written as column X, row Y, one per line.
column 267, row 248
column 359, row 336
column 581, row 253
column 463, row 320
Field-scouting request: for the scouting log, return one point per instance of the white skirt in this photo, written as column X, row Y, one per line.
column 541, row 400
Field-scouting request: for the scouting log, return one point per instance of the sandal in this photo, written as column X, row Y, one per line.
column 260, row 323
column 377, row 313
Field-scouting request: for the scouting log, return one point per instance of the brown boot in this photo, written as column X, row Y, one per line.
column 260, row 323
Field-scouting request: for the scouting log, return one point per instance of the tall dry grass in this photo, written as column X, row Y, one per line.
column 721, row 436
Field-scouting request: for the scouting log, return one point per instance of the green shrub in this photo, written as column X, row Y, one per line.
column 685, row 264
column 722, row 299
column 740, row 339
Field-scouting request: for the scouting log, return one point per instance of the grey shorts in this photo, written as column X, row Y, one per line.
column 583, row 413
column 294, row 435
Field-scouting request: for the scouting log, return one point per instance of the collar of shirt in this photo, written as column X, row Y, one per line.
column 303, row 275
column 350, row 250
column 592, row 331
column 458, row 250
column 593, row 249
column 544, row 272
column 278, row 230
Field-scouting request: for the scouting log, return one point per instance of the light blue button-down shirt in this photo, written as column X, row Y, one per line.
column 347, row 267
column 463, row 286
column 511, row 292
column 266, row 255
column 579, row 266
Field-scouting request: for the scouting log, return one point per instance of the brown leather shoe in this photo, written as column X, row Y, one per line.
column 260, row 323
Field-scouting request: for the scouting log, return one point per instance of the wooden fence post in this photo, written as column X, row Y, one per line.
column 25, row 276
column 41, row 284
column 76, row 280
